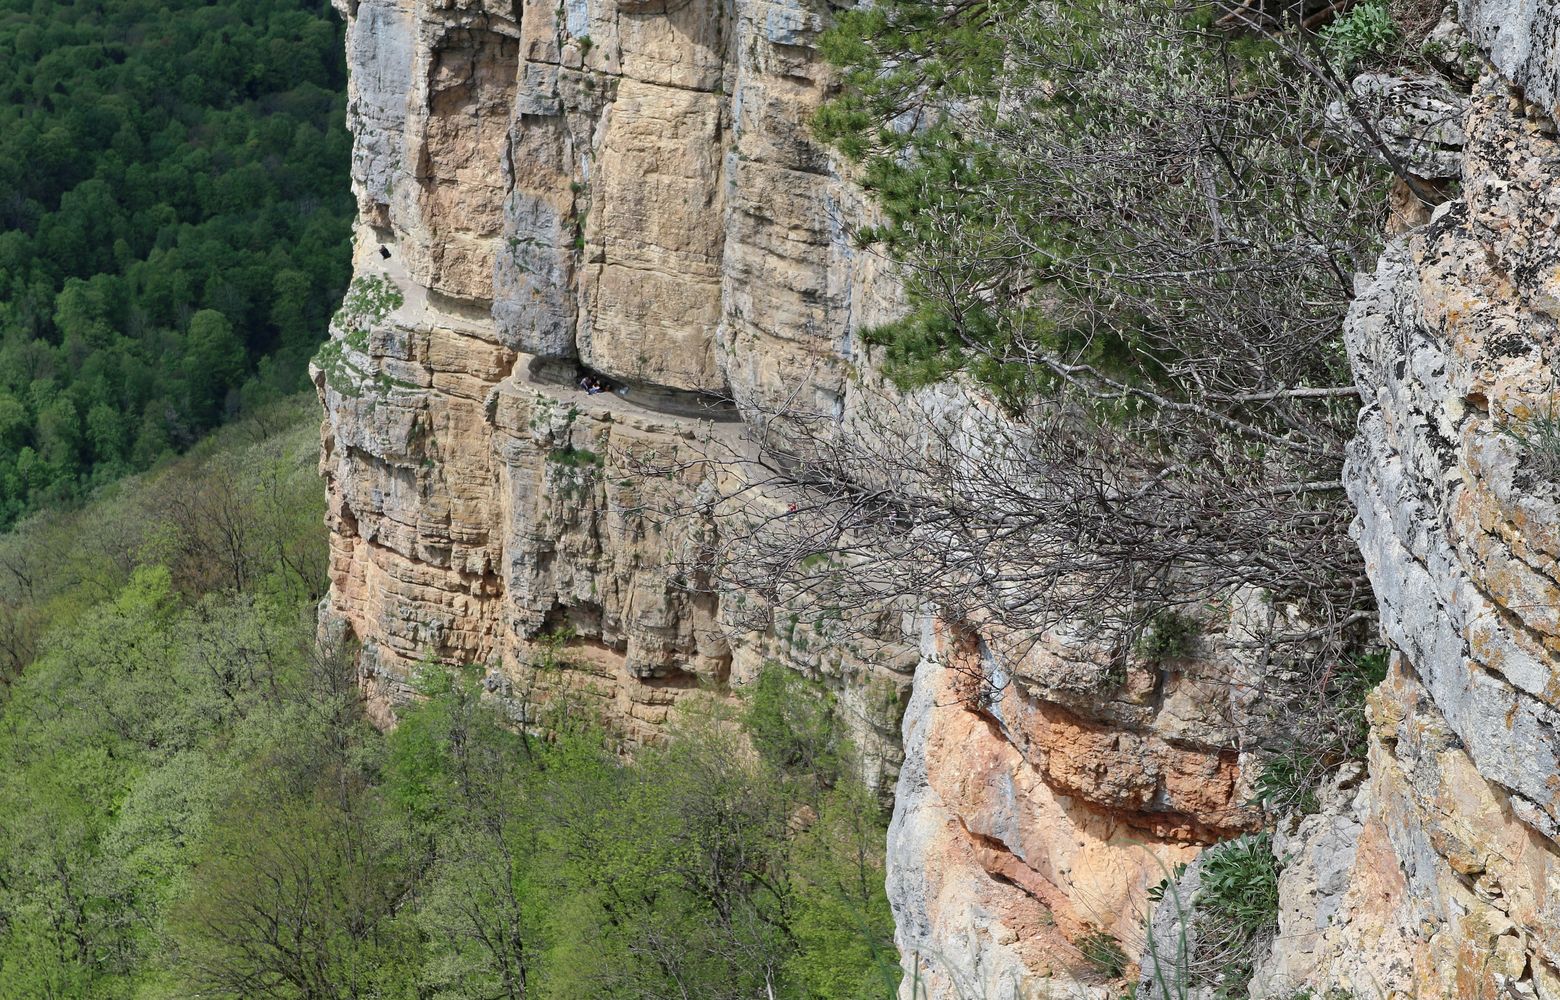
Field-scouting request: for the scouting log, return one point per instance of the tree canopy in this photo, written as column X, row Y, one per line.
column 193, row 802
column 174, row 223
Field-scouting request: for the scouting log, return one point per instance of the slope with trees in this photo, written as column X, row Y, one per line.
column 173, row 226
column 194, row 803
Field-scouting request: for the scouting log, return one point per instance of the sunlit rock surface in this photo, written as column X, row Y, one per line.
column 630, row 186
column 1438, row 874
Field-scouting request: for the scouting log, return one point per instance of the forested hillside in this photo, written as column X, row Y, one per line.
column 192, row 802
column 174, row 215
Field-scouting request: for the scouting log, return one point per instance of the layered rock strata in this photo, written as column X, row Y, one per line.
column 629, row 187
column 1437, row 872
column 626, row 188
column 1044, row 793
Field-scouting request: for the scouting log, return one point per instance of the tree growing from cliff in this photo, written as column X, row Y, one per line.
column 1128, row 239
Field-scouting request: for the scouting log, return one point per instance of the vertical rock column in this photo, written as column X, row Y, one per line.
column 1439, row 875
column 622, row 185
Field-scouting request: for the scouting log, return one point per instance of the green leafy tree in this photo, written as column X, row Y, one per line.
column 59, row 432
column 192, row 801
column 15, row 422
column 213, row 360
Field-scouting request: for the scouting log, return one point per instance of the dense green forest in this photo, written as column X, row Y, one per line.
column 193, row 803
column 174, row 221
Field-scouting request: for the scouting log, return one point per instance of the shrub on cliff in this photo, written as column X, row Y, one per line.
column 1128, row 239
column 1236, row 912
column 1212, row 921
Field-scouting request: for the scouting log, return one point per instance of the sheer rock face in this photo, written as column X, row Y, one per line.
column 1043, row 793
column 1522, row 39
column 1439, row 875
column 629, row 185
column 622, row 185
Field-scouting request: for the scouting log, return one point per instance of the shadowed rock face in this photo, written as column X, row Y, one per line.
column 631, row 186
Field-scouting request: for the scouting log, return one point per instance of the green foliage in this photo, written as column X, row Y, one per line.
column 303, row 848
column 556, row 869
column 1156, row 892
column 1169, row 635
column 367, row 302
column 572, row 457
column 792, row 724
column 118, row 753
column 242, row 510
column 173, row 231
column 1538, row 436
column 1331, row 728
column 1366, row 32
column 193, row 804
column 843, row 926
column 1234, row 915
column 1238, row 885
column 1288, row 781
column 1103, row 952
column 136, row 672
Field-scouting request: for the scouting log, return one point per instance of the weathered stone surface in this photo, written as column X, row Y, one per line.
column 1024, row 827
column 1436, row 877
column 1425, row 881
column 621, row 183
column 1452, row 345
column 1522, row 39
column 653, row 253
column 1419, row 119
column 631, row 184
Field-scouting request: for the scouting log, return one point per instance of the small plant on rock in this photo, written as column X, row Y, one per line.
column 1104, row 953
column 1169, row 635
column 1239, row 884
column 552, row 648
column 367, row 302
column 1236, row 912
column 1539, row 437
column 1364, row 32
column 1156, row 892
column 1288, row 781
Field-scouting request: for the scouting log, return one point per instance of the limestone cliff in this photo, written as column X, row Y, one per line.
column 1436, row 874
column 629, row 187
